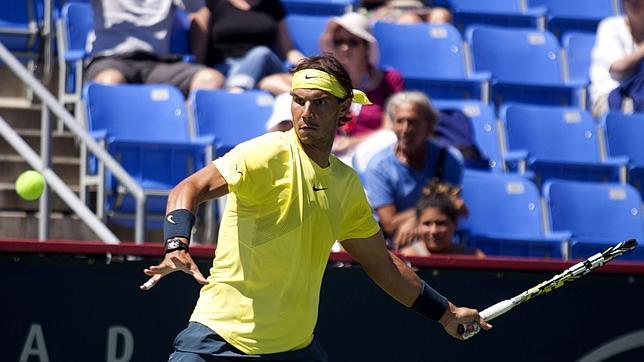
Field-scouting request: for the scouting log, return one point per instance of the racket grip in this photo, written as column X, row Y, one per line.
column 468, row 330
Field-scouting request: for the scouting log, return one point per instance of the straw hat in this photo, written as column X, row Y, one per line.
column 356, row 24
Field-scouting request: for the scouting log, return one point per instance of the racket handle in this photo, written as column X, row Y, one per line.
column 468, row 330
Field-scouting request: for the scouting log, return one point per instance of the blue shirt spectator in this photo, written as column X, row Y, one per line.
column 395, row 177
column 389, row 181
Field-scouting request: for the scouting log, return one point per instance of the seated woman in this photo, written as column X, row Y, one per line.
column 437, row 213
column 350, row 40
column 244, row 38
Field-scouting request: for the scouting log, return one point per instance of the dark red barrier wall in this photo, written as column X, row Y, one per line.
column 80, row 302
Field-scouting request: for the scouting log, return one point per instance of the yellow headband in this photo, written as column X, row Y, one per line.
column 317, row 79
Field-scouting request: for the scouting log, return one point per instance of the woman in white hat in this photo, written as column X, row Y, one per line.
column 350, row 40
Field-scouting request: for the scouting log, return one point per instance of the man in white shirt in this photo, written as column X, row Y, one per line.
column 617, row 53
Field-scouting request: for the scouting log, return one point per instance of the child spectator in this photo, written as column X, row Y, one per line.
column 437, row 215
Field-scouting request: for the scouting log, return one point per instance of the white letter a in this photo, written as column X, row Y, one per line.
column 34, row 345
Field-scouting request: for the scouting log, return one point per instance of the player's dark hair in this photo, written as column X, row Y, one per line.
column 329, row 64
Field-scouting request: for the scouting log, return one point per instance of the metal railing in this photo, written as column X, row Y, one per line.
column 42, row 163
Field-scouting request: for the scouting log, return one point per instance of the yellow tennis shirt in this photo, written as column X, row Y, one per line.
column 282, row 215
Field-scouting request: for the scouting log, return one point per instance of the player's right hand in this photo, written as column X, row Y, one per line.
column 455, row 316
column 179, row 260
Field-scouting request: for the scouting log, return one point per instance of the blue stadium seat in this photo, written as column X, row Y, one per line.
column 624, row 139
column 576, row 15
column 561, row 142
column 486, row 132
column 505, row 217
column 525, row 66
column 578, row 47
column 320, row 7
column 231, row 118
column 507, row 13
column 431, row 59
column 75, row 24
column 598, row 215
column 21, row 25
column 305, row 32
column 145, row 128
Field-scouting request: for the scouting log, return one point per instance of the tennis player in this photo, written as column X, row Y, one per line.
column 288, row 200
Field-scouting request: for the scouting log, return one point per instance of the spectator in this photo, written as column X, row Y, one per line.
column 395, row 176
column 437, row 214
column 408, row 12
column 244, row 35
column 132, row 45
column 281, row 117
column 617, row 53
column 350, row 40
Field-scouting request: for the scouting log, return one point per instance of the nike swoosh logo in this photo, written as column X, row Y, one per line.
column 306, row 76
column 319, row 188
column 170, row 219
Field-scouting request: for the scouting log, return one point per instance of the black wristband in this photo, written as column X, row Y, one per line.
column 430, row 303
column 178, row 223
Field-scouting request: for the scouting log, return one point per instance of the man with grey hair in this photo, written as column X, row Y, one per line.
column 394, row 177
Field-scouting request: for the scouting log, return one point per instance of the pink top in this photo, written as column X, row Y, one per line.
column 370, row 116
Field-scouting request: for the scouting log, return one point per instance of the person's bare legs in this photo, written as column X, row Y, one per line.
column 439, row 15
column 110, row 76
column 277, row 83
column 207, row 79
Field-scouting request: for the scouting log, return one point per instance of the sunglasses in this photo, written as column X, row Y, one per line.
column 351, row 43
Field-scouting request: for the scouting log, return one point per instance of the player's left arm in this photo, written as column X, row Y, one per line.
column 399, row 281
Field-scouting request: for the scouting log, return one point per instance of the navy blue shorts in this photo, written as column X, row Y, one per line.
column 198, row 343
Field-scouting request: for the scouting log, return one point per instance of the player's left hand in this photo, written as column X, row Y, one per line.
column 179, row 260
column 454, row 316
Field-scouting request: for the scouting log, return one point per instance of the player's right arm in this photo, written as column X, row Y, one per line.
column 404, row 285
column 204, row 185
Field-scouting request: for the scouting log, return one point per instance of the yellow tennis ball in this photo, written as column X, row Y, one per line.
column 30, row 185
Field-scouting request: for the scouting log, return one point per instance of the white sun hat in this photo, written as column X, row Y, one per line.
column 356, row 24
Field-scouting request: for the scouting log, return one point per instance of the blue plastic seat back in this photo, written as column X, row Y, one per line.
column 580, row 9
column 305, row 32
column 624, row 134
column 595, row 213
column 578, row 46
column 231, row 118
column 154, row 112
column 22, row 20
column 486, row 133
column 180, row 33
column 79, row 20
column 502, row 204
column 516, row 55
column 320, row 7
column 551, row 133
column 487, row 6
column 421, row 50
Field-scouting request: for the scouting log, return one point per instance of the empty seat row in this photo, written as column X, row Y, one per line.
column 577, row 219
column 148, row 129
column 555, row 15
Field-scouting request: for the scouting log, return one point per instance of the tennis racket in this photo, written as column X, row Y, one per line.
column 574, row 272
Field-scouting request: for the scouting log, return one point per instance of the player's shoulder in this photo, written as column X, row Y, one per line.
column 266, row 144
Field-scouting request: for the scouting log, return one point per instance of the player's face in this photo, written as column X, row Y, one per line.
column 410, row 126
column 436, row 229
column 316, row 115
